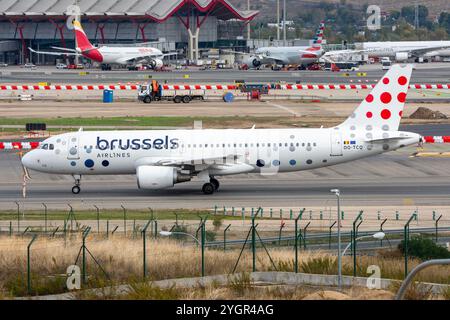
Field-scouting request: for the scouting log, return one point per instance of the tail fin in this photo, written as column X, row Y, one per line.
column 82, row 40
column 383, row 107
column 318, row 39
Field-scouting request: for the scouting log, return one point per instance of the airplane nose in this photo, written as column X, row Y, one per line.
column 27, row 160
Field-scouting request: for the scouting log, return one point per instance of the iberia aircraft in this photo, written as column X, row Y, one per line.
column 162, row 158
column 109, row 55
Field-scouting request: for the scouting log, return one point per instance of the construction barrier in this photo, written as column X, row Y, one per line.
column 211, row 87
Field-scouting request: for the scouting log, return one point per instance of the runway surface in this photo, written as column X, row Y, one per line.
column 392, row 179
column 424, row 73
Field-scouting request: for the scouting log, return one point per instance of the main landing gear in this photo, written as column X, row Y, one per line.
column 76, row 188
column 211, row 186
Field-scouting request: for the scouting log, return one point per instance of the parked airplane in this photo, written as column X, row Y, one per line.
column 404, row 50
column 109, row 55
column 161, row 159
column 288, row 55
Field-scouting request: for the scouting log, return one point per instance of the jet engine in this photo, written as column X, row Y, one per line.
column 156, row 177
column 401, row 56
column 252, row 62
column 156, row 63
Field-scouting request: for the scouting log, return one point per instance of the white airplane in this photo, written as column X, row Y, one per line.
column 162, row 158
column 108, row 55
column 398, row 50
column 288, row 55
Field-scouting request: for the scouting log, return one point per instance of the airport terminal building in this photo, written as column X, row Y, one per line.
column 187, row 25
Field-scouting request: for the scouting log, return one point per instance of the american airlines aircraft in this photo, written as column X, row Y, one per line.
column 288, row 55
column 109, row 55
column 162, row 158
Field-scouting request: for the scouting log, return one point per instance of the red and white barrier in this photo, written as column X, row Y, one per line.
column 67, row 87
column 209, row 87
column 354, row 86
column 19, row 145
column 436, row 139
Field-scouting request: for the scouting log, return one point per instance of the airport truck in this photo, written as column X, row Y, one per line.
column 154, row 92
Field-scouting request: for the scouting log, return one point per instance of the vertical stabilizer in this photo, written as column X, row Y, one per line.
column 383, row 107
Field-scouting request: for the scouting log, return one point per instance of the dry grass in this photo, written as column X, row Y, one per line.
column 122, row 260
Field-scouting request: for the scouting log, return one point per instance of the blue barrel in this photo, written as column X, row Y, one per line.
column 228, row 97
column 108, row 96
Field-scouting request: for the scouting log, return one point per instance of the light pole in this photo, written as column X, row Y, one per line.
column 377, row 236
column 202, row 243
column 337, row 192
column 278, row 20
column 284, row 23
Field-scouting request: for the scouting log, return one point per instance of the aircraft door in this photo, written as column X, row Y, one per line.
column 336, row 143
column 73, row 147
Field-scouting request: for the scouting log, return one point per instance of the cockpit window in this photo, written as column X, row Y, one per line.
column 48, row 146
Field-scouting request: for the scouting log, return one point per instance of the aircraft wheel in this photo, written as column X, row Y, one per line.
column 76, row 190
column 215, row 183
column 208, row 188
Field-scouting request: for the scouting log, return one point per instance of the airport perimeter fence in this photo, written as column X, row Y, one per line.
column 41, row 254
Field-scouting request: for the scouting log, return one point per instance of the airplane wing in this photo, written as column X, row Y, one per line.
column 170, row 54
column 216, row 165
column 54, row 53
column 180, row 161
column 64, row 49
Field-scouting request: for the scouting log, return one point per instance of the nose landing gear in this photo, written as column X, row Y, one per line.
column 76, row 189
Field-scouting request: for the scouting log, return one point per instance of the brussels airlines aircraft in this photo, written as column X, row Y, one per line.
column 109, row 55
column 161, row 159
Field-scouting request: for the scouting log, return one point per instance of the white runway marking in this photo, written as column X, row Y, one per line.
column 284, row 108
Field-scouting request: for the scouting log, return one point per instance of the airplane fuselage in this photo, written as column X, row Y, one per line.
column 262, row 150
column 121, row 55
column 391, row 48
column 289, row 55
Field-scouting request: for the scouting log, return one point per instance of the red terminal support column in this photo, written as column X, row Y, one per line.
column 22, row 39
column 60, row 28
column 141, row 28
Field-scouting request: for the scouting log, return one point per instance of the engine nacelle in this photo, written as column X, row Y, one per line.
column 252, row 62
column 155, row 177
column 401, row 56
column 156, row 63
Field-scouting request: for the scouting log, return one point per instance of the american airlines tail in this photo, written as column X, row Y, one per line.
column 318, row 39
column 382, row 109
column 83, row 42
